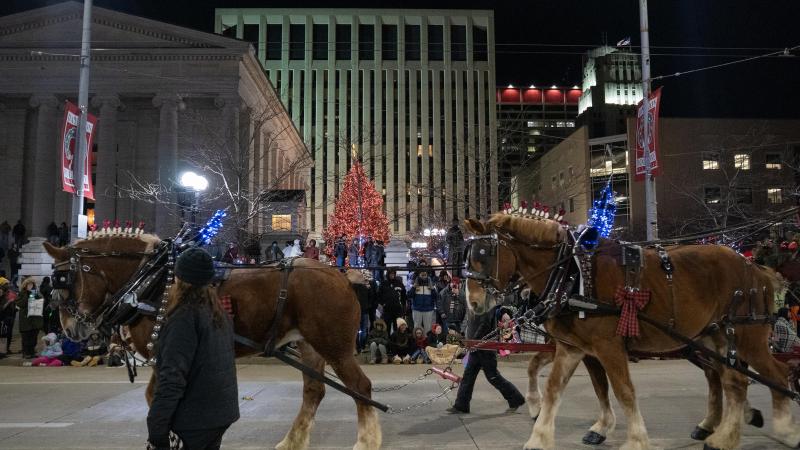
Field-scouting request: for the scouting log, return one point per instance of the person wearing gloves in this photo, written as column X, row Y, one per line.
column 196, row 395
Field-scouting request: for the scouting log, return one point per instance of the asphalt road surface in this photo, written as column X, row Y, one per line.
column 48, row 408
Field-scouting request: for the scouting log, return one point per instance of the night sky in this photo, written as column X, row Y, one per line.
column 542, row 42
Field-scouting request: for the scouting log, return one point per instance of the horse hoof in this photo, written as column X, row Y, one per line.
column 593, row 438
column 708, row 447
column 700, row 434
column 757, row 420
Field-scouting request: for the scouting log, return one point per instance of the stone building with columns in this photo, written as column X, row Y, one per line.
column 154, row 87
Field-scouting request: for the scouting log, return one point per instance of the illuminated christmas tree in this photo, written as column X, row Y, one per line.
column 358, row 212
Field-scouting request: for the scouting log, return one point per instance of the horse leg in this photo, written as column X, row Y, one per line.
column 714, row 410
column 298, row 436
column 784, row 426
column 605, row 423
column 534, row 396
column 615, row 361
column 728, row 433
column 566, row 359
column 369, row 430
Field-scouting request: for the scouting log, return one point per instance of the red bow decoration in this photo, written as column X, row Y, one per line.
column 631, row 301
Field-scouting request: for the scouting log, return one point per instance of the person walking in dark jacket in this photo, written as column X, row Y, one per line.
column 52, row 233
column 30, row 317
column 274, row 252
column 354, row 252
column 377, row 258
column 19, row 233
column 479, row 326
column 196, row 396
column 340, row 251
column 63, row 234
column 452, row 305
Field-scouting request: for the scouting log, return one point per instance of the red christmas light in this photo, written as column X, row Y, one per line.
column 345, row 218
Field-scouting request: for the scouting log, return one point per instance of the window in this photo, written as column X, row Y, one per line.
column 320, row 46
column 710, row 161
column 561, row 124
column 480, row 51
column 572, row 204
column 774, row 161
column 561, row 179
column 531, row 149
column 366, row 42
column 297, row 42
column 343, row 42
column 775, row 195
column 435, row 42
column 553, row 181
column 281, row 222
column 744, row 196
column 274, row 42
column 458, row 42
column 389, row 42
column 571, row 124
column 250, row 34
column 712, row 195
column 412, row 42
column 741, row 161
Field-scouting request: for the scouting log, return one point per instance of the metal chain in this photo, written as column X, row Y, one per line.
column 397, row 387
column 423, row 403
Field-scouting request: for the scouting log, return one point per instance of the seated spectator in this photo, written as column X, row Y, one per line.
column 784, row 337
column 420, row 342
column 377, row 341
column 402, row 343
column 71, row 351
column 115, row 356
column 95, row 348
column 50, row 355
column 435, row 337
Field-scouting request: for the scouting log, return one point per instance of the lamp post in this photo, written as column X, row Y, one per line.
column 195, row 183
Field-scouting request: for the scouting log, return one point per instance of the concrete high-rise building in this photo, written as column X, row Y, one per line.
column 611, row 89
column 411, row 93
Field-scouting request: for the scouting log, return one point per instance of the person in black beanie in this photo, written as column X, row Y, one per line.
column 196, row 395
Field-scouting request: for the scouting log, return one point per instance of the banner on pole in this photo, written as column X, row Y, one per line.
column 68, row 150
column 651, row 109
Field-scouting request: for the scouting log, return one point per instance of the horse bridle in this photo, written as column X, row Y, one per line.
column 76, row 268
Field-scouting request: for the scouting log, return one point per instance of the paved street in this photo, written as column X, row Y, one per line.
column 98, row 408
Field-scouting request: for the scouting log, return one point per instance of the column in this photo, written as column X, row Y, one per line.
column 168, row 104
column 105, row 189
column 42, row 177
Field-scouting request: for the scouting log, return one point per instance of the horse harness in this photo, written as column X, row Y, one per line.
column 562, row 296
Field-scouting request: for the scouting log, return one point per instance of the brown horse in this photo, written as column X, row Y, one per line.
column 705, row 279
column 108, row 262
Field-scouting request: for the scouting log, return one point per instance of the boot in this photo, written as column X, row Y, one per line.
column 385, row 360
column 396, row 359
column 406, row 359
column 85, row 361
column 93, row 361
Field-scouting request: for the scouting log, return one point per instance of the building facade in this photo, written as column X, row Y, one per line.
column 410, row 93
column 530, row 121
column 160, row 94
column 713, row 173
column 611, row 89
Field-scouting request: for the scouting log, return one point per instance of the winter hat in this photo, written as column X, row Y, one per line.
column 400, row 322
column 3, row 281
column 50, row 338
column 195, row 266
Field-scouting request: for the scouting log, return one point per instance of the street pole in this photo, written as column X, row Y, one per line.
column 83, row 104
column 651, row 206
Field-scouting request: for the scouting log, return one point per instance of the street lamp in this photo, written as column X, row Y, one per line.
column 195, row 183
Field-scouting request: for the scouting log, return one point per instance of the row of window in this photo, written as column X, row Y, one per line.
column 713, row 195
column 366, row 42
column 741, row 161
column 551, row 124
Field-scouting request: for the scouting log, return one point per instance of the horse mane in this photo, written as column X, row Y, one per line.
column 534, row 230
column 150, row 240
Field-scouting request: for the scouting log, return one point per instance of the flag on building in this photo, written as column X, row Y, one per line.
column 651, row 109
column 68, row 150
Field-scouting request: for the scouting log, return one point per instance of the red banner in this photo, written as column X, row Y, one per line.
column 652, row 144
column 69, row 143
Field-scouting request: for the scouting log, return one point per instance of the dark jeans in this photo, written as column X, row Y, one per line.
column 486, row 360
column 210, row 439
column 363, row 331
column 29, row 342
column 340, row 261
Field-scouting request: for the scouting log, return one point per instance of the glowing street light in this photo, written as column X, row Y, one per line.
column 194, row 181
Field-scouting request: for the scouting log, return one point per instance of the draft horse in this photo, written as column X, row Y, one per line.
column 700, row 297
column 103, row 265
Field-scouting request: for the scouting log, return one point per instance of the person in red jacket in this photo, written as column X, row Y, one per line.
column 311, row 251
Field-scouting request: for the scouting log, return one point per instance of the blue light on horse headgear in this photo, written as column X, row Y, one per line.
column 211, row 228
column 601, row 216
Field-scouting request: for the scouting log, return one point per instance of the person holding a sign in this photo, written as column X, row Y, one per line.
column 31, row 305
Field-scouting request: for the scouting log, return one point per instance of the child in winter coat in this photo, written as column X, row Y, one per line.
column 435, row 337
column 420, row 342
column 49, row 356
column 402, row 343
column 377, row 341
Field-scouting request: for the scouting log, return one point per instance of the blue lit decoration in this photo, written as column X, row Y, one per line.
column 601, row 216
column 211, row 227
